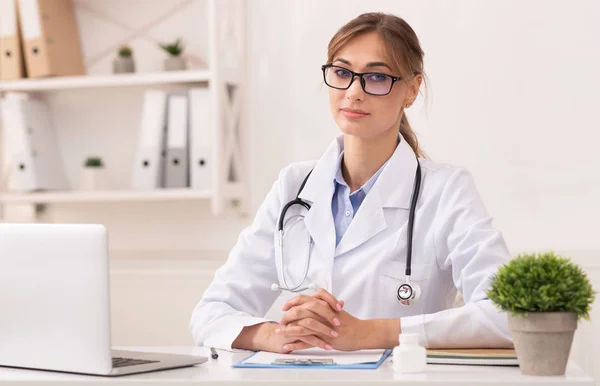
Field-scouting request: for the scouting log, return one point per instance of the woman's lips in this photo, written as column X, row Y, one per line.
column 354, row 114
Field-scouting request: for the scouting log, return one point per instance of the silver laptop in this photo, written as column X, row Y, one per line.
column 55, row 307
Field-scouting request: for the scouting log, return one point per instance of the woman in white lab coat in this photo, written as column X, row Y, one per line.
column 360, row 194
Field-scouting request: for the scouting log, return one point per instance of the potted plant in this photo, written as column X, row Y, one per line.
column 94, row 174
column 124, row 62
column 174, row 62
column 544, row 295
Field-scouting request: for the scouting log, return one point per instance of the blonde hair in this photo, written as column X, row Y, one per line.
column 402, row 46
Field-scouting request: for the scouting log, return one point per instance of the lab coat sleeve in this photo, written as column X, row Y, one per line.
column 465, row 243
column 240, row 293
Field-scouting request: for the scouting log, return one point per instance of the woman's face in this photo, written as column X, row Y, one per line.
column 358, row 113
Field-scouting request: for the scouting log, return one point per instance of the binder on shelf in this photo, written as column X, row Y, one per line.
column 149, row 164
column 200, row 138
column 32, row 154
column 51, row 42
column 12, row 65
column 176, row 170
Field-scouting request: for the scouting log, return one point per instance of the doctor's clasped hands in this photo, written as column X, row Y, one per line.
column 318, row 320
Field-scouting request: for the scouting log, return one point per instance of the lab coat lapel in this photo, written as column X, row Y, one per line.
column 320, row 226
column 368, row 221
column 393, row 189
column 396, row 182
column 319, row 191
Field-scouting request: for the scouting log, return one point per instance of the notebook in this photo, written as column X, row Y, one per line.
column 485, row 357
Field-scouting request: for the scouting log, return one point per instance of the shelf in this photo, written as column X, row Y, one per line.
column 99, row 81
column 105, row 196
column 159, row 257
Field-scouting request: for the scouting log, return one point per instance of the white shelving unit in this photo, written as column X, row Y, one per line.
column 225, row 79
column 106, row 196
column 234, row 192
column 97, row 81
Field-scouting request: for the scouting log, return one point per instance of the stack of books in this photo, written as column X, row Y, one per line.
column 485, row 357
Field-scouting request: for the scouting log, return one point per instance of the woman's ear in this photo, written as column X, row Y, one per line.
column 414, row 85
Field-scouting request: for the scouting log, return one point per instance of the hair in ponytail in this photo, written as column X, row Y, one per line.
column 410, row 136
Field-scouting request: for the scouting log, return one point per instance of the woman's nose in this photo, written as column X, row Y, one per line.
column 355, row 91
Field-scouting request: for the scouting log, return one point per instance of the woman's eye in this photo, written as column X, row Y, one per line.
column 342, row 73
column 377, row 77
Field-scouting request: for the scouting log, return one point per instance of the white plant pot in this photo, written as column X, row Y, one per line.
column 123, row 65
column 543, row 341
column 175, row 63
column 93, row 178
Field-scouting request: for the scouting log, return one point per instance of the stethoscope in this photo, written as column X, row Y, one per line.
column 407, row 293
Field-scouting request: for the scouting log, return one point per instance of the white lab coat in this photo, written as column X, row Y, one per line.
column 455, row 248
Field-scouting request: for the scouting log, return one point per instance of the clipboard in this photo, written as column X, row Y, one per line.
column 321, row 363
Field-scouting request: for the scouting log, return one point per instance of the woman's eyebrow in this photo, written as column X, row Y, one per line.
column 372, row 64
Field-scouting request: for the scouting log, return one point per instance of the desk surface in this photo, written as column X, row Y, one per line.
column 219, row 372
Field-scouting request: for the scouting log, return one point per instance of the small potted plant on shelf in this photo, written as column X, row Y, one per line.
column 174, row 61
column 124, row 62
column 544, row 295
column 94, row 174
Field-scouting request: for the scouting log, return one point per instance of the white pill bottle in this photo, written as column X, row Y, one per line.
column 409, row 356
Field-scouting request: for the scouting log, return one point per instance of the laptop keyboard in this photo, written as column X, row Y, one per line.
column 122, row 362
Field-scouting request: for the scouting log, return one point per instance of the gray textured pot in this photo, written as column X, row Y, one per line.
column 543, row 341
column 175, row 63
column 123, row 65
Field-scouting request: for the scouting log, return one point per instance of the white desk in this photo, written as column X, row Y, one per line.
column 219, row 372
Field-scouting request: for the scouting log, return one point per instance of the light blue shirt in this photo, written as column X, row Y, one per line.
column 345, row 205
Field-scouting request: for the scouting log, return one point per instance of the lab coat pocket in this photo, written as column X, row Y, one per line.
column 391, row 277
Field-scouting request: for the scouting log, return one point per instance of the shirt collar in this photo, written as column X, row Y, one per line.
column 339, row 177
column 395, row 185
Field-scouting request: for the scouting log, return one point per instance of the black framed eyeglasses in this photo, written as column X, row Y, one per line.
column 373, row 83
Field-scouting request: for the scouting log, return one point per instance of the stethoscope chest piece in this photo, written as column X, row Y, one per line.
column 408, row 293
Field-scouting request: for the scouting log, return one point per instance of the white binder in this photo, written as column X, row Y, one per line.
column 176, row 168
column 148, row 166
column 200, row 139
column 31, row 147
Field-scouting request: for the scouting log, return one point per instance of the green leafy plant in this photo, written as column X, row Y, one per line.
column 125, row 51
column 541, row 282
column 94, row 162
column 173, row 49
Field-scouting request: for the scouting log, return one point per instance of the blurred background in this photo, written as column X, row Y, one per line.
column 512, row 96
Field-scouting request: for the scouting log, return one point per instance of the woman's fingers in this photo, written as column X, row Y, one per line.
column 307, row 326
column 307, row 309
column 296, row 301
column 295, row 345
column 319, row 294
column 307, row 342
column 316, row 342
column 294, row 314
column 322, row 294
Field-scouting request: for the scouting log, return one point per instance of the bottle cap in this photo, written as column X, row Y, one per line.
column 409, row 338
